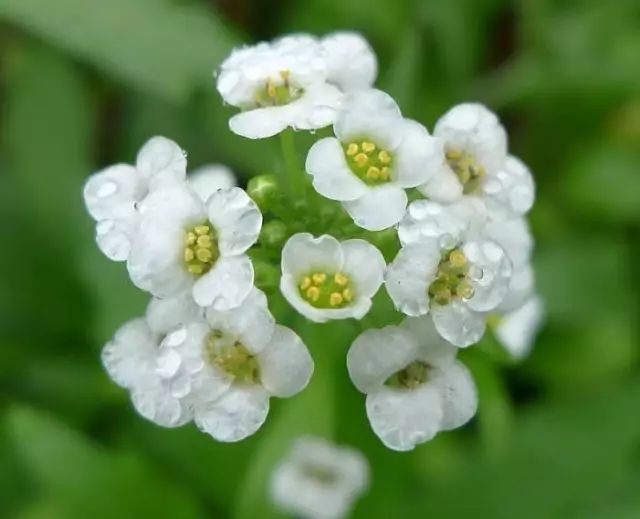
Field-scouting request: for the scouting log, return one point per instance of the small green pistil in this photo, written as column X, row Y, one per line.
column 323, row 475
column 452, row 279
column 414, row 375
column 368, row 162
column 467, row 169
column 323, row 290
column 200, row 249
column 278, row 92
column 232, row 357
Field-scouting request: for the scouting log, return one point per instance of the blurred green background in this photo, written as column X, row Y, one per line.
column 84, row 83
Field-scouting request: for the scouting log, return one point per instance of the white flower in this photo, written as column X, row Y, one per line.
column 351, row 62
column 111, row 195
column 414, row 385
column 325, row 279
column 276, row 85
column 131, row 359
column 182, row 243
column 376, row 155
column 474, row 162
column 228, row 366
column 456, row 282
column 208, row 179
column 319, row 480
column 516, row 330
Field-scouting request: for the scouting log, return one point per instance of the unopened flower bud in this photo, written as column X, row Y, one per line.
column 263, row 189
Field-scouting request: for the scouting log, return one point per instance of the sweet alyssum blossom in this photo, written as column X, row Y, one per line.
column 278, row 85
column 112, row 194
column 516, row 329
column 131, row 359
column 208, row 179
column 229, row 365
column 474, row 162
column 415, row 387
column 351, row 63
column 183, row 244
column 375, row 155
column 319, row 480
column 323, row 278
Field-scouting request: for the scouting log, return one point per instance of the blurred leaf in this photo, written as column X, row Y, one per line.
column 159, row 46
column 88, row 481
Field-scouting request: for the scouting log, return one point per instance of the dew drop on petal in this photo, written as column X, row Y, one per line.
column 176, row 338
column 475, row 273
column 107, row 189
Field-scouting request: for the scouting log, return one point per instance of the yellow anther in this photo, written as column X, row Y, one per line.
column 341, row 279
column 319, row 278
column 188, row 254
column 306, row 283
column 203, row 254
column 361, row 159
column 457, row 258
column 443, row 297
column 465, row 290
column 195, row 269
column 335, row 299
column 385, row 173
column 190, row 238
column 384, row 157
column 347, row 294
column 352, row 149
column 454, row 154
column 201, row 230
column 368, row 147
column 373, row 173
column 313, row 293
column 204, row 241
column 284, row 74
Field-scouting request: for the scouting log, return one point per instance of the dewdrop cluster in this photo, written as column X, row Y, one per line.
column 446, row 206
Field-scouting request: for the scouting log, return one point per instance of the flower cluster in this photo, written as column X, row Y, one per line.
column 447, row 208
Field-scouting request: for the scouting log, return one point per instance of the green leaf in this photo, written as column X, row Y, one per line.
column 88, row 481
column 158, row 46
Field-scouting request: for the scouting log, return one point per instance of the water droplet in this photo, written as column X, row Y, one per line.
column 107, row 189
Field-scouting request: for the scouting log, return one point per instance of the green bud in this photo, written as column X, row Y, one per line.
column 273, row 234
column 267, row 276
column 263, row 189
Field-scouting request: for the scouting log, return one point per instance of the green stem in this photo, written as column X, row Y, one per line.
column 291, row 177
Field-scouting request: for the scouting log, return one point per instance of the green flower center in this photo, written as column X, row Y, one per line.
column 452, row 279
column 323, row 475
column 200, row 249
column 467, row 169
column 323, row 290
column 414, row 375
column 278, row 92
column 368, row 162
column 232, row 357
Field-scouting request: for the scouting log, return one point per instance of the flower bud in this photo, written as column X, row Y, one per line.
column 263, row 189
column 273, row 234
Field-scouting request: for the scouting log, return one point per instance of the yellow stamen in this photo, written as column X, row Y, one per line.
column 373, row 173
column 319, row 278
column 203, row 255
column 384, row 173
column 341, row 279
column 201, row 229
column 271, row 88
column 368, row 147
column 190, row 238
column 352, row 149
column 361, row 159
column 384, row 157
column 335, row 299
column 204, row 241
column 347, row 294
column 306, row 283
column 457, row 258
column 313, row 293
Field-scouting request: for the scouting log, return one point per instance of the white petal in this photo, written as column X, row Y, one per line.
column 131, row 354
column 510, row 191
column 514, row 237
column 517, row 330
column 379, row 208
column 251, row 322
column 459, row 396
column 432, row 348
column 161, row 160
column 226, row 285
column 443, row 186
column 303, row 254
column 260, row 123
column 356, row 310
column 521, row 287
column 285, row 364
column 458, row 324
column 164, row 315
column 208, row 179
column 475, row 129
column 332, row 177
column 409, row 276
column 369, row 113
column 114, row 237
column 352, row 64
column 376, row 355
column 155, row 403
column 491, row 288
column 111, row 194
column 426, row 220
column 365, row 266
column 317, row 108
column 236, row 218
column 418, row 156
column 238, row 413
column 402, row 419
